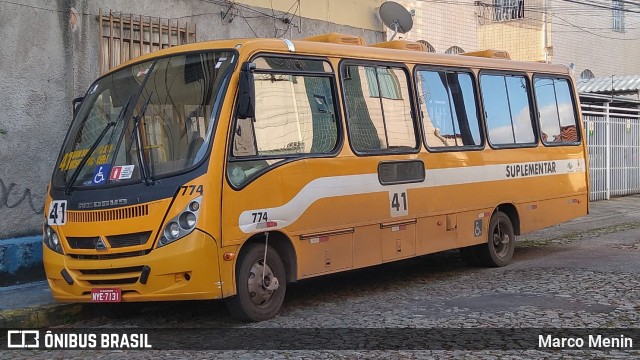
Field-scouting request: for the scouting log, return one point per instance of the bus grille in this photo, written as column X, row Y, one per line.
column 108, row 215
column 114, row 281
column 116, row 241
column 120, row 241
column 110, row 276
column 83, row 242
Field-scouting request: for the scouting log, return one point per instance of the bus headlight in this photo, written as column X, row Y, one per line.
column 51, row 239
column 187, row 220
column 182, row 224
column 173, row 230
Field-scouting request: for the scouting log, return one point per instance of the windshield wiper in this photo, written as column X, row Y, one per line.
column 85, row 158
column 144, row 169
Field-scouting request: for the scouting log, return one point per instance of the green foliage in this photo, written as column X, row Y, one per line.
column 2, row 131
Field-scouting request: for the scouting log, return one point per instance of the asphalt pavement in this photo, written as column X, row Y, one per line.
column 605, row 217
column 583, row 274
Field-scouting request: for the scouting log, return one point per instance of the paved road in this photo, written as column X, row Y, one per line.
column 584, row 274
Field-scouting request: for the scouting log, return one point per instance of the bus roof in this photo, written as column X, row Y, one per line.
column 247, row 47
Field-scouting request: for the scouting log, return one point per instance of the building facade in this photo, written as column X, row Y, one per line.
column 600, row 38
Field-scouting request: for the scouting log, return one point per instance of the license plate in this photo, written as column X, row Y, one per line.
column 106, row 295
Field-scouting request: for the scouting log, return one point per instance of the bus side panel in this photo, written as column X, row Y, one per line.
column 451, row 231
column 367, row 246
column 398, row 241
column 540, row 214
column 325, row 254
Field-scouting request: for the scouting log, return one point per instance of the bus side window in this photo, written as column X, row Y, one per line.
column 449, row 113
column 379, row 109
column 506, row 103
column 294, row 117
column 556, row 111
column 364, row 133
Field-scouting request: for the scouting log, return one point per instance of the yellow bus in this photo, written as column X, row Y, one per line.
column 227, row 169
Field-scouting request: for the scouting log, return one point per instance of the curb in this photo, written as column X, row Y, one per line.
column 41, row 316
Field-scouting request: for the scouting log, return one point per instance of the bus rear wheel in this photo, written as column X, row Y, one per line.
column 498, row 250
column 260, row 287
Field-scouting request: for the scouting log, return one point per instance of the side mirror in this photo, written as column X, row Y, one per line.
column 247, row 92
column 75, row 104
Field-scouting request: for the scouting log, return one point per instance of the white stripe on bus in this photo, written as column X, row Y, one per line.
column 334, row 186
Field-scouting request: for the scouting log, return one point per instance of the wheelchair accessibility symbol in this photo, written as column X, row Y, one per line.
column 477, row 228
column 100, row 174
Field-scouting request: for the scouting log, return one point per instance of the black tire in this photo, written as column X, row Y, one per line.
column 260, row 304
column 501, row 238
column 469, row 255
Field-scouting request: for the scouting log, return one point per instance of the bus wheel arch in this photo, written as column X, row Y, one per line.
column 282, row 245
column 511, row 211
column 501, row 235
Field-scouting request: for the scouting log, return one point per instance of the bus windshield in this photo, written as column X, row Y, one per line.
column 146, row 121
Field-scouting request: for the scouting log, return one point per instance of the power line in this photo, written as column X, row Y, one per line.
column 594, row 8
column 622, row 9
column 247, row 21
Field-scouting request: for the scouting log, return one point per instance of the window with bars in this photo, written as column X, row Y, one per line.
column 617, row 8
column 454, row 50
column 505, row 10
column 127, row 36
column 430, row 47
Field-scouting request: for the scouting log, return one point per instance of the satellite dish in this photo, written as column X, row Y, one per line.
column 395, row 17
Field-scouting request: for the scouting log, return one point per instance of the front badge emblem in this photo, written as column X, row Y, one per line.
column 100, row 245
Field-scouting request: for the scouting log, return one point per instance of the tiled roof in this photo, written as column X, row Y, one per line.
column 626, row 83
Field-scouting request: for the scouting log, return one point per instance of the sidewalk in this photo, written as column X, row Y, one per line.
column 31, row 305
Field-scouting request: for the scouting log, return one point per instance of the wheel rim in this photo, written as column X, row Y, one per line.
column 501, row 239
column 258, row 293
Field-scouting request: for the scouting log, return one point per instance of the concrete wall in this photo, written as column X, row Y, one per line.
column 48, row 56
column 587, row 40
column 356, row 13
column 443, row 24
column 38, row 52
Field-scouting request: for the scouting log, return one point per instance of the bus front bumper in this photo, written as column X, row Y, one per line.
column 184, row 270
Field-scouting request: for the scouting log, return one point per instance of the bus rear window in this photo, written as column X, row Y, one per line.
column 556, row 111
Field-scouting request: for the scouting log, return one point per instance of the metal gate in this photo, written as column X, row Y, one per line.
column 613, row 137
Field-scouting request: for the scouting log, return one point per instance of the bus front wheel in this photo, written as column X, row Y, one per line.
column 260, row 287
column 498, row 250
